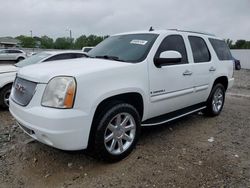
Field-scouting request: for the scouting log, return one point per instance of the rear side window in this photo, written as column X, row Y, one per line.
column 65, row 56
column 176, row 43
column 200, row 50
column 221, row 49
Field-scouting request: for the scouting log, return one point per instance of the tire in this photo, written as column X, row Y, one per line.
column 215, row 101
column 20, row 59
column 4, row 96
column 237, row 66
column 120, row 126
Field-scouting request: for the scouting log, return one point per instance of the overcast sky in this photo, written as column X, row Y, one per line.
column 225, row 18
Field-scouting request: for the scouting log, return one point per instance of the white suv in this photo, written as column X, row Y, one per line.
column 129, row 80
column 12, row 55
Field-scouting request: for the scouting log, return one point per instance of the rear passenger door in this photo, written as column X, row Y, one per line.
column 203, row 67
column 171, row 86
column 12, row 54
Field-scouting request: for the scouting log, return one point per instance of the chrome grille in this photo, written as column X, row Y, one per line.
column 23, row 91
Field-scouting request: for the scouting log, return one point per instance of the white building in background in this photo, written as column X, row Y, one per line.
column 9, row 42
column 244, row 56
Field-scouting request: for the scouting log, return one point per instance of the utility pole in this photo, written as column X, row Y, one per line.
column 70, row 33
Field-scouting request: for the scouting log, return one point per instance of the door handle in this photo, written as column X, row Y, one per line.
column 187, row 73
column 212, row 69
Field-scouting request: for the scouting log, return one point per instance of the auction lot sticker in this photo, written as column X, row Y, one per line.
column 139, row 42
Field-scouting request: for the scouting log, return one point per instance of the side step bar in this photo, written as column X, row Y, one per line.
column 173, row 115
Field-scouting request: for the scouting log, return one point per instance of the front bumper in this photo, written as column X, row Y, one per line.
column 63, row 129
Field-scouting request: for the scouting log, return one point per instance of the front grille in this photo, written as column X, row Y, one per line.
column 23, row 91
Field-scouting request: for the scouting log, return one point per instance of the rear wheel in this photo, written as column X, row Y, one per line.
column 4, row 96
column 237, row 66
column 216, row 100
column 117, row 132
column 20, row 59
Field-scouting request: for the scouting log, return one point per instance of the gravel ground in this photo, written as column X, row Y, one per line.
column 195, row 151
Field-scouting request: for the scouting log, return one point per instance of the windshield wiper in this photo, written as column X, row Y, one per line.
column 115, row 58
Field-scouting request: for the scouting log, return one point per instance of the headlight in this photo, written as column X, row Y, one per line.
column 60, row 93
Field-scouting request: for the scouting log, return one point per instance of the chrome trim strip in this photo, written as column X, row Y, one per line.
column 173, row 94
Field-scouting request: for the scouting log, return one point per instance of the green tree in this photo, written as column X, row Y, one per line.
column 63, row 43
column 240, row 44
column 27, row 42
column 81, row 42
column 47, row 42
column 91, row 40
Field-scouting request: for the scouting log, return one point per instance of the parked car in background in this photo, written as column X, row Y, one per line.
column 87, row 49
column 12, row 55
column 237, row 64
column 8, row 72
column 130, row 80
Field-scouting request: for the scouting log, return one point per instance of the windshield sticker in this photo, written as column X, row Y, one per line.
column 140, row 42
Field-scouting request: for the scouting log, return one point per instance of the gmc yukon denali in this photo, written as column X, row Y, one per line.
column 128, row 81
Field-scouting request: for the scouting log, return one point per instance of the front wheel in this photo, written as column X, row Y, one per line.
column 215, row 101
column 4, row 96
column 117, row 132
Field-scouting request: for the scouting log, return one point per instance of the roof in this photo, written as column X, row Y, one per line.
column 8, row 40
column 172, row 31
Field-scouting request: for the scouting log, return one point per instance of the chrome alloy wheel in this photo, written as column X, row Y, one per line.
column 6, row 97
column 217, row 101
column 120, row 133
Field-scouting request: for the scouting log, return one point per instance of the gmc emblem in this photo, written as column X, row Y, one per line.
column 20, row 88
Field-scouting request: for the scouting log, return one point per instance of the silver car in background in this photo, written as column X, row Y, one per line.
column 12, row 55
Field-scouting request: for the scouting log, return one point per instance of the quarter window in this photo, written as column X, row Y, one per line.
column 200, row 50
column 173, row 42
column 221, row 49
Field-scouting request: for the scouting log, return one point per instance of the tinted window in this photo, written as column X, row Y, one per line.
column 221, row 49
column 199, row 49
column 129, row 48
column 60, row 57
column 78, row 55
column 13, row 51
column 65, row 56
column 87, row 49
column 176, row 43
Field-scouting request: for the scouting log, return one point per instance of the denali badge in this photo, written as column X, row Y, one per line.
column 20, row 88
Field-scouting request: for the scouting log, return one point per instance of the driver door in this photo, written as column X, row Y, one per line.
column 171, row 85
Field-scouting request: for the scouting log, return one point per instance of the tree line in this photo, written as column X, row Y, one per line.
column 91, row 40
column 239, row 44
column 46, row 42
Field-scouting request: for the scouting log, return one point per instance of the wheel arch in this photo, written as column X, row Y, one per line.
column 223, row 80
column 133, row 98
column 5, row 85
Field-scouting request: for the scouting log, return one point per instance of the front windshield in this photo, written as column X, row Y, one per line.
column 33, row 59
column 128, row 48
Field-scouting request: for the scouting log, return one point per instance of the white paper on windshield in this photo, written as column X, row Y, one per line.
column 139, row 42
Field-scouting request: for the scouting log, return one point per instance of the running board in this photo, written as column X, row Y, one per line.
column 172, row 115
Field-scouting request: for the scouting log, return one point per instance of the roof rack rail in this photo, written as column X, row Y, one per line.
column 197, row 32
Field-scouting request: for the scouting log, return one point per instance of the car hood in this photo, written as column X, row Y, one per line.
column 43, row 72
column 8, row 69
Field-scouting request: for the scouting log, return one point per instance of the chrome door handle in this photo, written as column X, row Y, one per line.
column 212, row 69
column 187, row 73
